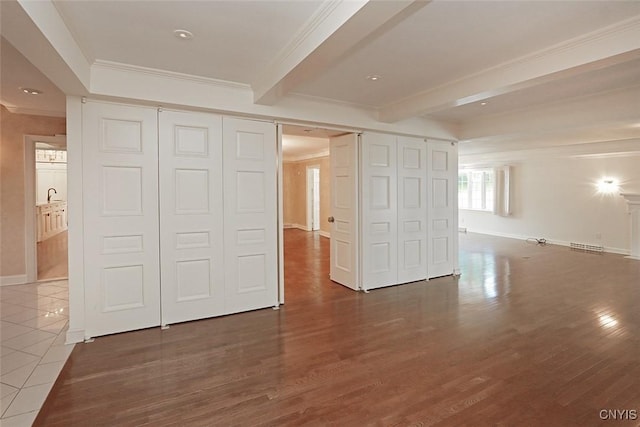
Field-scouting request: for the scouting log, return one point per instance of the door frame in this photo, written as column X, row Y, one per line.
column 280, row 192
column 30, row 244
column 310, row 189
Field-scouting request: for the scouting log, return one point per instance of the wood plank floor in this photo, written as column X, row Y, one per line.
column 527, row 336
column 52, row 257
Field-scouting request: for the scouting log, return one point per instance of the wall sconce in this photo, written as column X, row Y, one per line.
column 608, row 186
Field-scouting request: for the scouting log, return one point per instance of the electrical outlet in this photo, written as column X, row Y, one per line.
column 598, row 236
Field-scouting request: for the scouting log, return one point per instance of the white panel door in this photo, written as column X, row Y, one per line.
column 120, row 185
column 442, row 193
column 191, row 216
column 379, row 210
column 412, row 209
column 344, row 210
column 250, row 214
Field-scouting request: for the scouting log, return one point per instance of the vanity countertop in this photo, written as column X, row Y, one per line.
column 52, row 203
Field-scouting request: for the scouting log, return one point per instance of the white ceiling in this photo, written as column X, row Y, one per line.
column 437, row 60
column 295, row 147
column 233, row 40
column 447, row 40
column 17, row 72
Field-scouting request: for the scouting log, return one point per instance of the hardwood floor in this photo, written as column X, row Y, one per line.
column 527, row 336
column 52, row 257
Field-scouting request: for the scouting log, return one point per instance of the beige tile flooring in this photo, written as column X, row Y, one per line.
column 33, row 323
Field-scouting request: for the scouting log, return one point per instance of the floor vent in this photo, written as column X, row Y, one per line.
column 586, row 248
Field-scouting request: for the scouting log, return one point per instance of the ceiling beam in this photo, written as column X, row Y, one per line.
column 612, row 110
column 337, row 28
column 37, row 30
column 605, row 47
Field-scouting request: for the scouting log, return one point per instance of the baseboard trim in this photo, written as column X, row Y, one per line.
column 609, row 250
column 18, row 279
column 304, row 228
column 75, row 336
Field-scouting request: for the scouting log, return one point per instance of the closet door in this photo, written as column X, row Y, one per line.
column 412, row 209
column 379, row 211
column 120, row 186
column 250, row 214
column 191, row 216
column 442, row 193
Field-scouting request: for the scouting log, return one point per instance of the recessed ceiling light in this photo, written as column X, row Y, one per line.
column 183, row 34
column 374, row 77
column 483, row 103
column 30, row 91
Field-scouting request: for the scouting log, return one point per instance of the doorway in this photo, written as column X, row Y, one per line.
column 46, row 207
column 306, row 200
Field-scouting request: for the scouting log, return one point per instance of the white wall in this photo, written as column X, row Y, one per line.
column 556, row 197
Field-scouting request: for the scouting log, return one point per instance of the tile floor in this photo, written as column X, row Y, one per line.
column 33, row 323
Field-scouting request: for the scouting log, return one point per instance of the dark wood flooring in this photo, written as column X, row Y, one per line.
column 527, row 336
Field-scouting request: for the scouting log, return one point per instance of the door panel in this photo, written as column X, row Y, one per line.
column 412, row 209
column 344, row 210
column 379, row 211
column 191, row 216
column 250, row 211
column 120, row 174
column 443, row 177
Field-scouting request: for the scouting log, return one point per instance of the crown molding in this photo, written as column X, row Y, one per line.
column 589, row 150
column 630, row 25
column 172, row 75
column 317, row 155
column 324, row 12
column 32, row 111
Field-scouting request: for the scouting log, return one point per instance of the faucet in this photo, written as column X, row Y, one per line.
column 49, row 194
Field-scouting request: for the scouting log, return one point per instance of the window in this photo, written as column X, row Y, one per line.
column 476, row 189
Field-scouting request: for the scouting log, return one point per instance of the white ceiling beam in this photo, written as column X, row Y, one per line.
column 337, row 27
column 607, row 46
column 617, row 109
column 37, row 30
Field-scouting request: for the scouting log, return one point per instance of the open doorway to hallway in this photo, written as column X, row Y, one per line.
column 306, row 173
column 306, row 179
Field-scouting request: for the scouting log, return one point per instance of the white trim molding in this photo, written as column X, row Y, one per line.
column 633, row 202
column 18, row 279
column 74, row 336
column 312, row 156
column 617, row 251
column 32, row 111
